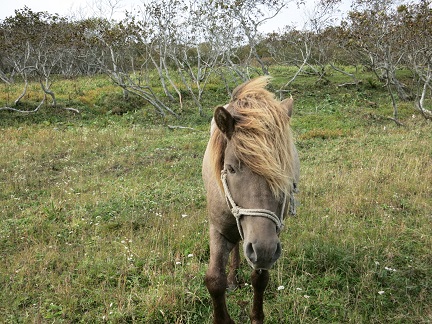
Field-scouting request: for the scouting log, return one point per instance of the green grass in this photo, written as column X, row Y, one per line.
column 91, row 217
column 103, row 216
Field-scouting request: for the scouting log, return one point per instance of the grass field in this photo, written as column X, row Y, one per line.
column 103, row 216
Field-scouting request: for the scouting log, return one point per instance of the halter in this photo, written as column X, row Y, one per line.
column 237, row 211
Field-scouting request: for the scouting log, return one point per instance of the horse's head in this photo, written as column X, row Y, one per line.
column 256, row 199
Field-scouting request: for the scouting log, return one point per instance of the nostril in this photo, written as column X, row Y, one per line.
column 250, row 253
column 278, row 252
column 262, row 256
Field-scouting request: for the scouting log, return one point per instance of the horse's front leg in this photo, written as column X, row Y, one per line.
column 260, row 279
column 216, row 278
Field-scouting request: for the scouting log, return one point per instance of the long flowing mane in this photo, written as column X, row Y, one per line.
column 262, row 136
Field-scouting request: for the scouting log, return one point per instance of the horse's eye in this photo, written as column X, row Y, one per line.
column 230, row 169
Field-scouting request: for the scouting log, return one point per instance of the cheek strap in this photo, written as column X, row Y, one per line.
column 237, row 211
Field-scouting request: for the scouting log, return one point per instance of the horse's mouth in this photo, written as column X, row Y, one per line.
column 258, row 267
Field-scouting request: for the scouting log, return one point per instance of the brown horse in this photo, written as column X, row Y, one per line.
column 250, row 172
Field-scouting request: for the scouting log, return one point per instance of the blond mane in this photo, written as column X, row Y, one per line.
column 262, row 138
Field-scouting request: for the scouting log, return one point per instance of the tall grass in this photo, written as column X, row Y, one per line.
column 103, row 220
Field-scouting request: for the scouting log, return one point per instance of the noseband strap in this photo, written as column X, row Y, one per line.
column 238, row 211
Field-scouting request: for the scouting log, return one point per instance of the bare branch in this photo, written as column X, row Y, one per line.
column 396, row 121
column 74, row 110
column 180, row 127
column 24, row 111
column 4, row 77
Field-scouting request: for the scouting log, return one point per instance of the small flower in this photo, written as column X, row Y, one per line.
column 381, row 292
column 178, row 263
column 299, row 289
column 184, row 215
column 390, row 269
column 280, row 288
column 306, row 296
column 190, row 255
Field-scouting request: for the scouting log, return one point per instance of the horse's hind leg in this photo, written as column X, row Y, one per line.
column 260, row 279
column 233, row 268
column 216, row 278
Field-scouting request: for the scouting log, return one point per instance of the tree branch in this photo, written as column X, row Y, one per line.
column 24, row 111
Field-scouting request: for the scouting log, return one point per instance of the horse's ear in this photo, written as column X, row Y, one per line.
column 224, row 121
column 288, row 104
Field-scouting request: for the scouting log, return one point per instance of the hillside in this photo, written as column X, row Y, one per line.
column 103, row 215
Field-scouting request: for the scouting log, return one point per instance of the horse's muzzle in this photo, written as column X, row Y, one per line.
column 262, row 255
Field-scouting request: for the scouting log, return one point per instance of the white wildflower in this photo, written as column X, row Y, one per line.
column 280, row 288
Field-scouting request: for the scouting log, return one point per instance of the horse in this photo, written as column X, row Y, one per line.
column 250, row 171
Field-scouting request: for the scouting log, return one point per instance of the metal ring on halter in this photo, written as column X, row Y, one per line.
column 237, row 211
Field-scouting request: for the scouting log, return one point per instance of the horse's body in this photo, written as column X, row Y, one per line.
column 250, row 172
